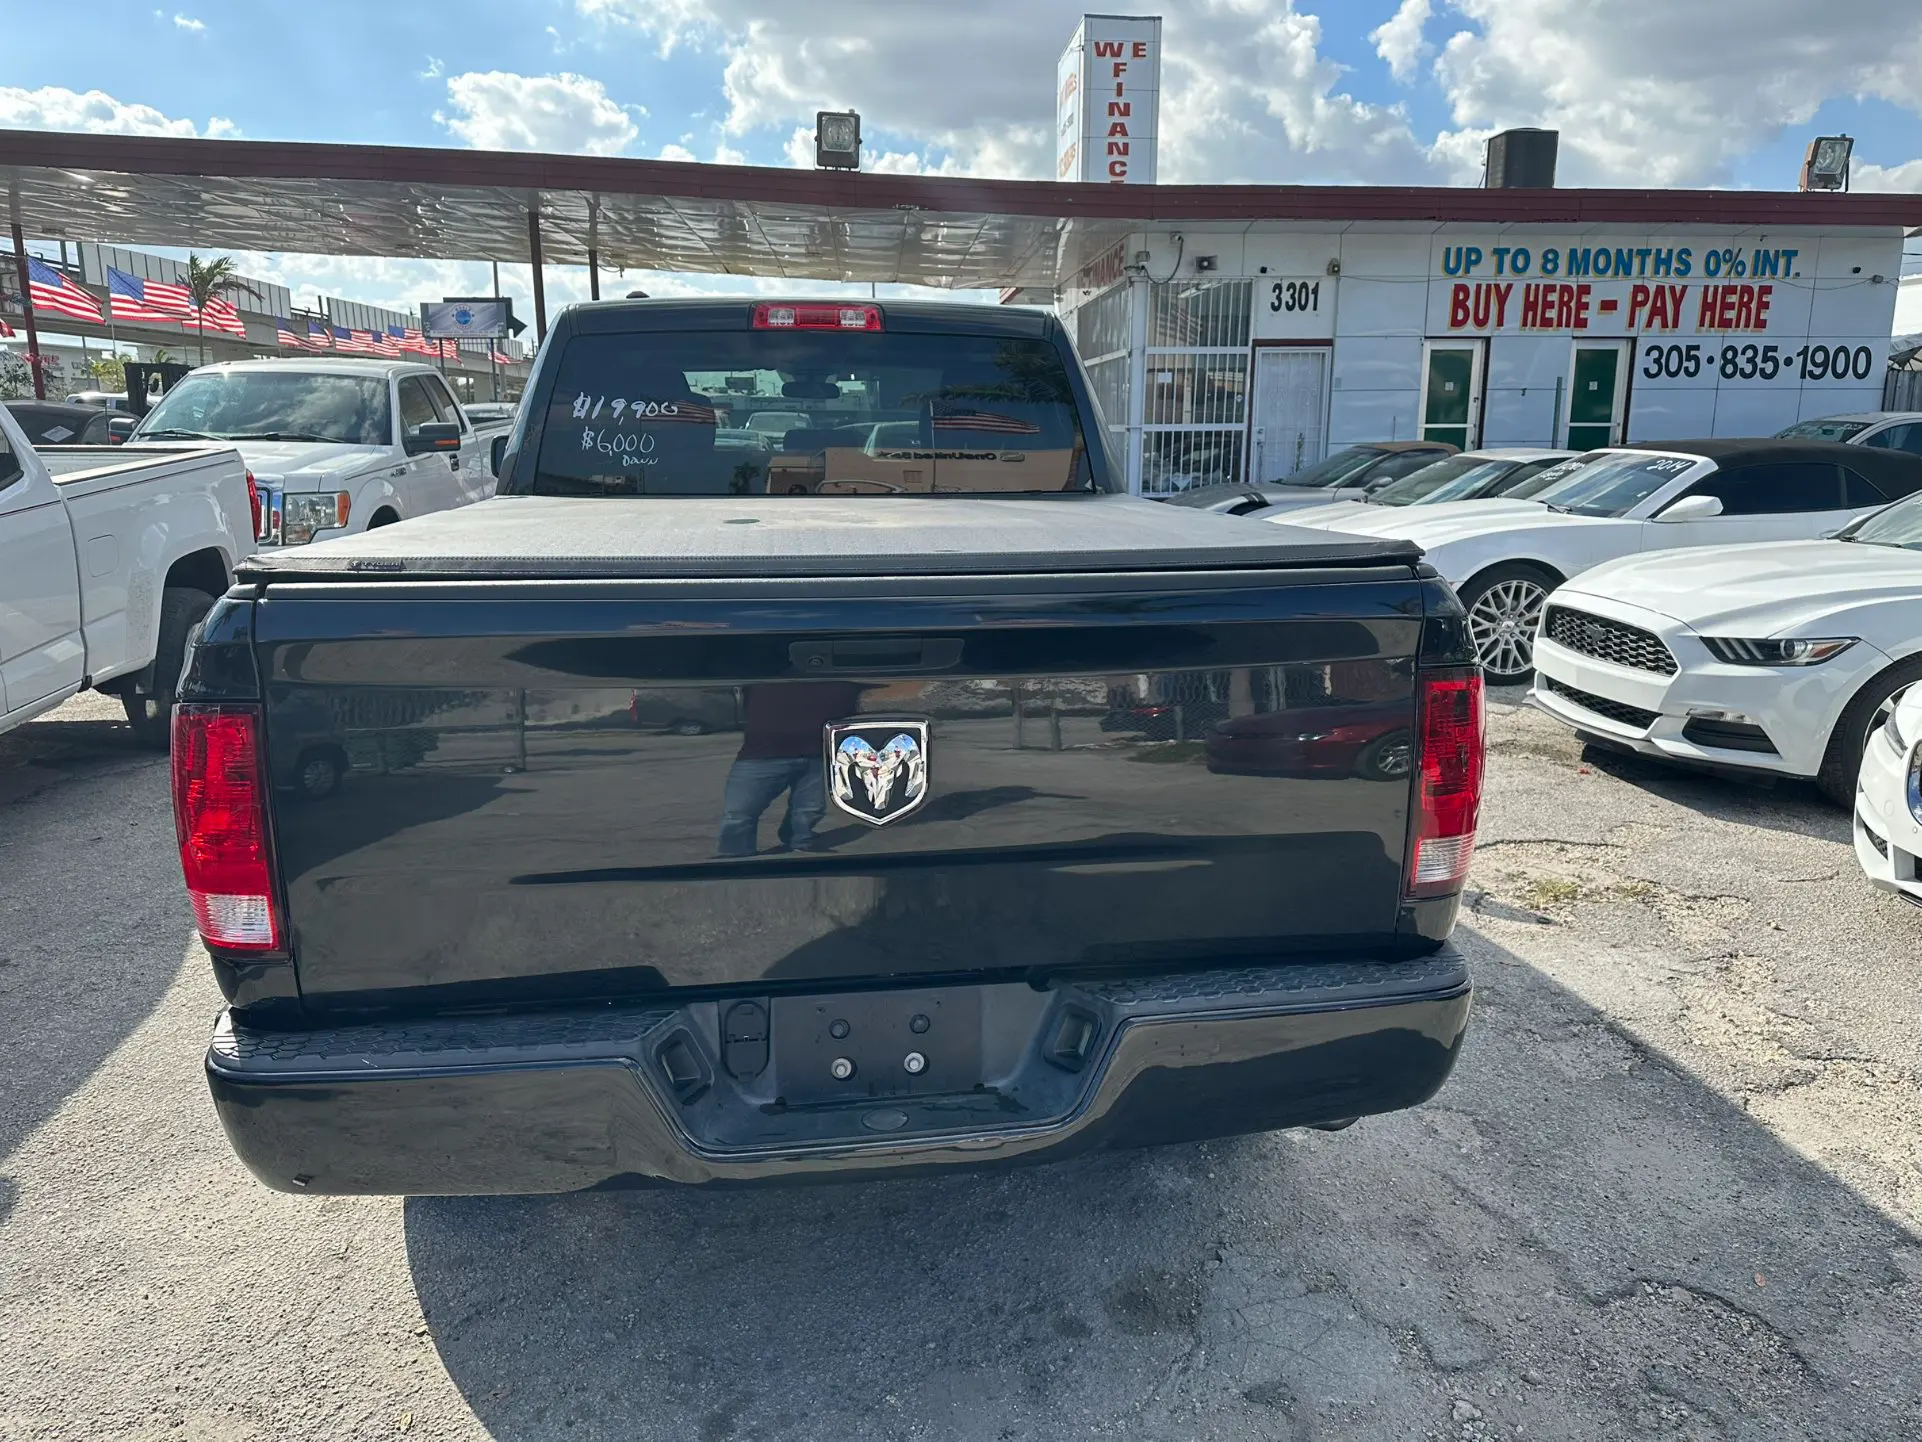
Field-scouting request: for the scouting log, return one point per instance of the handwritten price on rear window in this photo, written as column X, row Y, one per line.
column 631, row 448
column 589, row 408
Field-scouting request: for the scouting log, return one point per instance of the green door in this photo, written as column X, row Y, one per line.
column 1591, row 398
column 1448, row 395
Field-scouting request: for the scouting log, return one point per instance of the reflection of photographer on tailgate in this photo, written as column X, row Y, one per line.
column 782, row 751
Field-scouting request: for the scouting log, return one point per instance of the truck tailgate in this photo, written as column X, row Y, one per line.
column 530, row 788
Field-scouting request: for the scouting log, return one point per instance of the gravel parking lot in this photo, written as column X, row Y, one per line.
column 1674, row 1189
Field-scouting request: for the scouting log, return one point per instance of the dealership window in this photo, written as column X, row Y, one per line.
column 1597, row 388
column 1195, row 407
column 1452, row 393
column 1102, row 329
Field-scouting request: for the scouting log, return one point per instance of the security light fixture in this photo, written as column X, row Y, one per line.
column 1826, row 166
column 837, row 140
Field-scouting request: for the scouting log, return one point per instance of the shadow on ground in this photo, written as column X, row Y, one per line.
column 81, row 808
column 1574, row 1239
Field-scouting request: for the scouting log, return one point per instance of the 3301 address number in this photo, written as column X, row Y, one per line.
column 1296, row 295
column 1752, row 361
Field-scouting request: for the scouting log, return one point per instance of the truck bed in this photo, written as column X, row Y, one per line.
column 545, row 538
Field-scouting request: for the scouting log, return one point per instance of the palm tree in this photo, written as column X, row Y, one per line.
column 208, row 278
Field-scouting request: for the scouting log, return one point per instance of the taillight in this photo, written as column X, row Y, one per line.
column 817, row 317
column 253, row 503
column 1448, row 782
column 220, row 819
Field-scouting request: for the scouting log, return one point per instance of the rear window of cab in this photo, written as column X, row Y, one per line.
column 805, row 412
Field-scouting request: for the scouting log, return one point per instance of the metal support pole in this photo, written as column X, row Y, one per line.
column 594, row 249
column 534, row 260
column 34, row 363
column 491, row 366
column 1136, row 419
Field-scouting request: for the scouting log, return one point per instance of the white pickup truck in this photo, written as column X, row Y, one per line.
column 337, row 446
column 109, row 557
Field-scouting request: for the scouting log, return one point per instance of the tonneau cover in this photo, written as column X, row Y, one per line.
column 548, row 538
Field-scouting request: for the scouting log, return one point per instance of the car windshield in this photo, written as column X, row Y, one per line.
column 1609, row 484
column 1459, row 476
column 1827, row 428
column 1335, row 469
column 1896, row 525
column 303, row 405
column 661, row 413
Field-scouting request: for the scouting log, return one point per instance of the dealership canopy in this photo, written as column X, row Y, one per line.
column 746, row 220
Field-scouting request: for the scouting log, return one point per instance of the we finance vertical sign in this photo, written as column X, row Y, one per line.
column 1108, row 100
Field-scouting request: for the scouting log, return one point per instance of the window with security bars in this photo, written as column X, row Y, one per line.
column 1197, row 390
column 1181, row 460
column 1202, row 314
column 1101, row 326
column 1108, row 379
column 1194, row 409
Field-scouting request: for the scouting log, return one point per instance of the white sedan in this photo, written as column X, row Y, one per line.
column 1504, row 557
column 1888, row 799
column 1766, row 658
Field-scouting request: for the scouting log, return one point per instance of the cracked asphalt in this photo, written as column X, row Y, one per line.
column 1673, row 1190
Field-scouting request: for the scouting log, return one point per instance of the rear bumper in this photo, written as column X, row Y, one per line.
column 549, row 1102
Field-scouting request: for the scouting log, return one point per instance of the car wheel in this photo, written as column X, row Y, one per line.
column 318, row 773
column 1842, row 761
column 1504, row 605
column 1387, row 758
column 150, row 711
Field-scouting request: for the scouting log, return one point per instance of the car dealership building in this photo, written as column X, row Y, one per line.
column 1230, row 332
column 1225, row 350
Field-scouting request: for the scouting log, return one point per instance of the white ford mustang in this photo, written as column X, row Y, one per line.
column 1888, row 799
column 1504, row 556
column 1770, row 658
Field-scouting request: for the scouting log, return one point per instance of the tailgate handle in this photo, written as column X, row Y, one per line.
column 880, row 653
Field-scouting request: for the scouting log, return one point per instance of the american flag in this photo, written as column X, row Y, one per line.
column 965, row 419
column 6, row 331
column 318, row 336
column 413, row 341
column 349, row 342
column 220, row 316
column 50, row 290
column 132, row 298
column 285, row 333
column 500, row 358
column 381, row 343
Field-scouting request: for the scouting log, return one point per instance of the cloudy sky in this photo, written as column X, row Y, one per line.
column 1644, row 92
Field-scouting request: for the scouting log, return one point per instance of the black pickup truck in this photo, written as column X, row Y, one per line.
column 731, row 799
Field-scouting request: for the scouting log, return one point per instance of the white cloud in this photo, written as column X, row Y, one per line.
column 1866, row 175
column 53, row 108
column 1247, row 92
column 499, row 110
column 1650, row 92
column 1645, row 92
column 1399, row 39
column 187, row 22
column 434, row 69
column 676, row 152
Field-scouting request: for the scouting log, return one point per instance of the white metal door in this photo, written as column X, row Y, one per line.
column 1289, row 406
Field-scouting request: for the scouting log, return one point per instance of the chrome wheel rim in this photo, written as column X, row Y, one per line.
column 1502, row 625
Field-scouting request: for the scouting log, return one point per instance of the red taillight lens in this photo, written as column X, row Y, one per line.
column 1449, row 783
column 220, row 818
column 253, row 503
column 817, row 317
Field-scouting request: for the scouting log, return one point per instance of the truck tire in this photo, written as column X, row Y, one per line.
column 150, row 707
column 1504, row 603
column 1842, row 761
